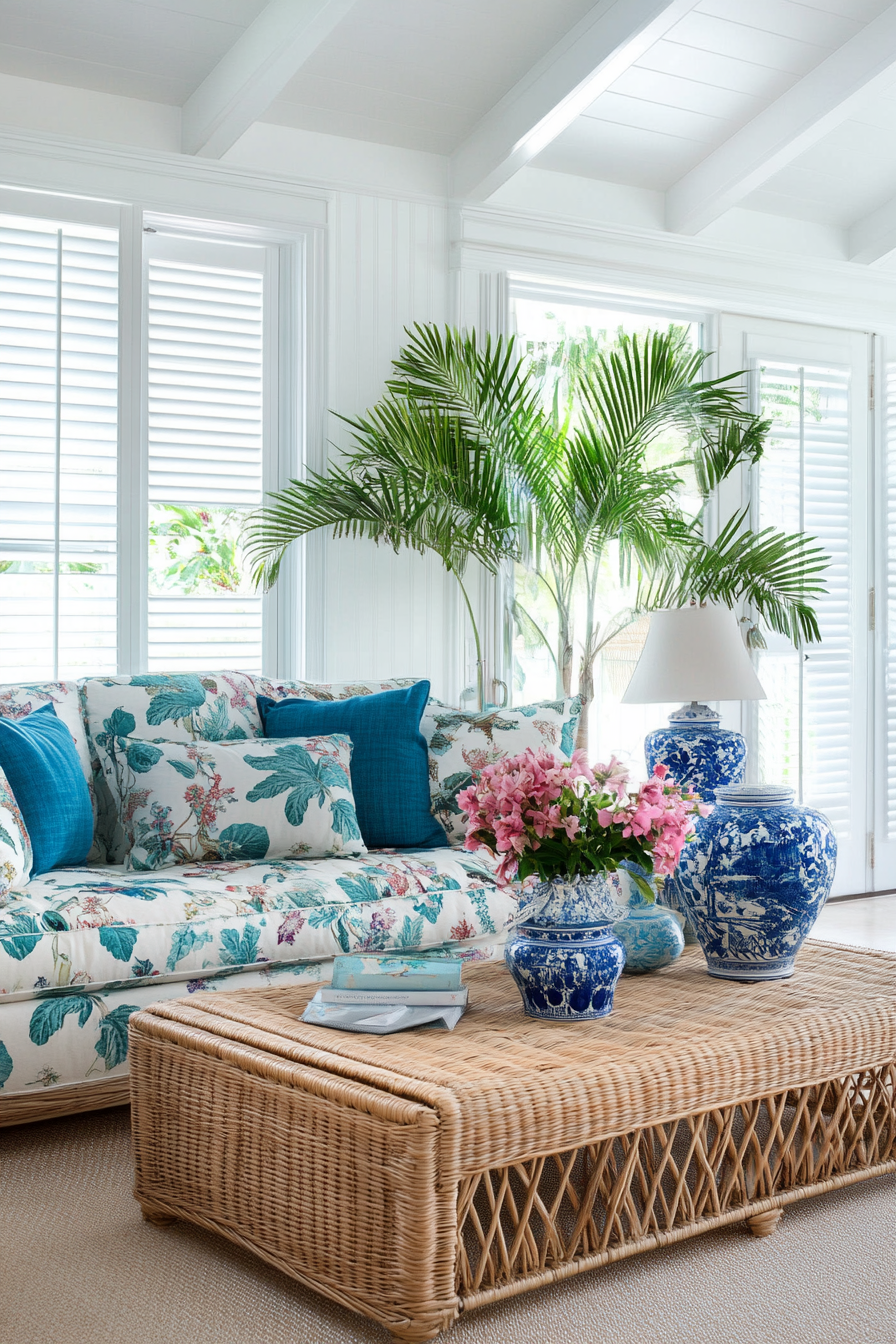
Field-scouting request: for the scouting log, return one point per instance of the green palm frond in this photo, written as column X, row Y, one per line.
column 715, row 455
column 649, row 385
column 485, row 385
column 777, row 573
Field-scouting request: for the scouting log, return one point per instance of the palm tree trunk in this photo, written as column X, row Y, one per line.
column 586, row 691
column 589, row 654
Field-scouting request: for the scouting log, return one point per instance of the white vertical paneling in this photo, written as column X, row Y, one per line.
column 384, row 615
column 884, row 618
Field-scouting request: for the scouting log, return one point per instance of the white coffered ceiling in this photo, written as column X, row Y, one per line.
column 782, row 106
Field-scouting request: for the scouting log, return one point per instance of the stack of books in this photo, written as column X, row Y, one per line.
column 382, row 994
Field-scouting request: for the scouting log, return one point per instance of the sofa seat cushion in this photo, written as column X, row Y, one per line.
column 90, row 927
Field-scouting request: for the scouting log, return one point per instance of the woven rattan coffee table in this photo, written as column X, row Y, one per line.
column 415, row 1176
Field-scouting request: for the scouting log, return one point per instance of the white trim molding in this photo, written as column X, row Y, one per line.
column 174, row 182
column 641, row 263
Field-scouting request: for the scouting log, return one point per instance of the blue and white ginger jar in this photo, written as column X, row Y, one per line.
column 756, row 880
column 564, row 955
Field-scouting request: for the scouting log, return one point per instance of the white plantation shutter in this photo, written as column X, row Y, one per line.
column 58, row 449
column 885, row 634
column 811, row 730
column 205, row 304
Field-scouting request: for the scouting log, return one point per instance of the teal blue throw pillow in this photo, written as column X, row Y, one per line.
column 390, row 763
column 40, row 760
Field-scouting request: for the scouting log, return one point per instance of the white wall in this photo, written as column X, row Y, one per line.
column 386, row 615
column 397, row 251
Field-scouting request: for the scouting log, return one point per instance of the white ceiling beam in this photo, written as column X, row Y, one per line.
column 549, row 97
column 874, row 237
column 254, row 71
column 798, row 119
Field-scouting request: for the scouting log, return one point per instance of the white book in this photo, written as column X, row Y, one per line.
column 389, row 1018
column 418, row 998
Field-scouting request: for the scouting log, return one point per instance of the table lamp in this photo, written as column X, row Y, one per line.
column 694, row 654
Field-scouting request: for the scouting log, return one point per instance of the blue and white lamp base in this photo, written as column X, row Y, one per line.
column 699, row 753
column 697, row 750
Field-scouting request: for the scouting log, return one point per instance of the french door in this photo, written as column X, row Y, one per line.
column 816, row 729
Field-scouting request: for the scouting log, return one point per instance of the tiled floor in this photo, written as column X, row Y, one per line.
column 869, row 922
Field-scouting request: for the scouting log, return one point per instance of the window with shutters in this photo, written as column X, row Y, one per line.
column 58, row 449
column 811, row 731
column 803, row 484
column 205, row 433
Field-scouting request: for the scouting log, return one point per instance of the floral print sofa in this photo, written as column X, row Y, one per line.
column 83, row 948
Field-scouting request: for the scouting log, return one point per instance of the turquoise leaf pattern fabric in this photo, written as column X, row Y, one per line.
column 189, row 802
column 83, row 948
column 462, row 741
column 88, row 928
column 97, row 1047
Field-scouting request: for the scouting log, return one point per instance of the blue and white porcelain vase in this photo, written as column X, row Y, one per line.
column 564, row 955
column 757, row 881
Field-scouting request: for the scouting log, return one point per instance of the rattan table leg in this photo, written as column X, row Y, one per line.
column 764, row 1224
column 158, row 1217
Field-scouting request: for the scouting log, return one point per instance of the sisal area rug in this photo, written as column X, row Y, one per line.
column 78, row 1263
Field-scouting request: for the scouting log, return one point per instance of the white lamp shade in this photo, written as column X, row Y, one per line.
column 693, row 653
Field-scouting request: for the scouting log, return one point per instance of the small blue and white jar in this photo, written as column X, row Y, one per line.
column 757, row 880
column 651, row 933
column 564, row 955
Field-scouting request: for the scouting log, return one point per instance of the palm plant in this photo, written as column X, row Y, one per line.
column 462, row 457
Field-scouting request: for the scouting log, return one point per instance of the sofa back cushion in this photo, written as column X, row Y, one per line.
column 390, row 772
column 255, row 800
column 180, row 707
column 15, row 843
column 19, row 700
column 330, row 690
column 40, row 762
column 462, row 741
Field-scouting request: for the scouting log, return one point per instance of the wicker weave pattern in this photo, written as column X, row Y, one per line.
column 409, row 1176
column 623, row 1195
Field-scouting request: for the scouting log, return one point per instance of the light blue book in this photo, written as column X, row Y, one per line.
column 363, row 971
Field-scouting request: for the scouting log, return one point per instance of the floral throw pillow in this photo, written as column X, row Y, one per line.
column 462, row 741
column 15, row 846
column 192, row 802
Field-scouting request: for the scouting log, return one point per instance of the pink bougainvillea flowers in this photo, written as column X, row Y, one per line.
column 553, row 818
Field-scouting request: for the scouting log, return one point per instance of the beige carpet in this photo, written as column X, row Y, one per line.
column 78, row 1264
